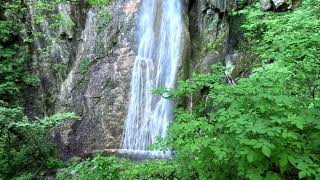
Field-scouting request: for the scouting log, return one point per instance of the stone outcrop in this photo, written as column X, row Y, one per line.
column 209, row 31
column 85, row 66
column 265, row 5
column 86, row 69
column 279, row 5
column 85, row 63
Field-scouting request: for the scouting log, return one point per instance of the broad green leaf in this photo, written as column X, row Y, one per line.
column 266, row 151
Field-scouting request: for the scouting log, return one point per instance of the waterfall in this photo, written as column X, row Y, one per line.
column 160, row 40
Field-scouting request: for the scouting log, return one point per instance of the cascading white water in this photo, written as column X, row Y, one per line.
column 160, row 40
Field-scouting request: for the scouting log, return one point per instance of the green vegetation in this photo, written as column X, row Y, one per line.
column 24, row 151
column 84, row 66
column 22, row 143
column 264, row 127
column 61, row 71
column 58, row 20
column 98, row 2
column 113, row 168
column 14, row 58
column 103, row 19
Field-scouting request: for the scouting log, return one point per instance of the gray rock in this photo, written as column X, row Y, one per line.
column 283, row 5
column 222, row 5
column 278, row 3
column 209, row 32
column 87, row 70
column 265, row 5
column 97, row 57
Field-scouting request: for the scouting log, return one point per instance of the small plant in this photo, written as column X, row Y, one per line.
column 104, row 19
column 61, row 70
column 100, row 49
column 98, row 2
column 58, row 20
column 84, row 66
column 211, row 45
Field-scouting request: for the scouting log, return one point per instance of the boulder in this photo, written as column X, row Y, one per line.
column 279, row 3
column 265, row 5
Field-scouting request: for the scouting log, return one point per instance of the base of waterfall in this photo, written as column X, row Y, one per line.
column 136, row 155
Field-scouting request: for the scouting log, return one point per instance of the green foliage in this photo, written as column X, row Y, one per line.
column 257, row 128
column 100, row 49
column 103, row 19
column 61, row 71
column 266, row 126
column 98, row 168
column 84, row 66
column 45, row 11
column 150, row 170
column 101, row 167
column 14, row 57
column 22, row 143
column 58, row 20
column 98, row 2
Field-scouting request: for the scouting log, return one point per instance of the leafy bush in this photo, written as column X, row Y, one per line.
column 84, row 66
column 266, row 126
column 14, row 71
column 104, row 19
column 98, row 2
column 98, row 168
column 111, row 167
column 22, row 143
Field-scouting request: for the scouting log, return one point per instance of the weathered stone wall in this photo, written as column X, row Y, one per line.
column 209, row 31
column 87, row 70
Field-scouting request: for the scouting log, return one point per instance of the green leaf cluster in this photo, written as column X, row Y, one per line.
column 23, row 146
column 15, row 75
column 98, row 2
column 22, row 142
column 266, row 126
column 111, row 167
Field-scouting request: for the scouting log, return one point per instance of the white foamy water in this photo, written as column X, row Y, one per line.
column 160, row 41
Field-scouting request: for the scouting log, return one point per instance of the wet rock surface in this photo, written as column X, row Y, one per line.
column 87, row 70
column 209, row 32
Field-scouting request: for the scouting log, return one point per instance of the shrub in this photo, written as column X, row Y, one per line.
column 266, row 126
column 22, row 143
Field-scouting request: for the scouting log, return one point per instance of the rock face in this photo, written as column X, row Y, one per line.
column 85, row 64
column 209, row 31
column 279, row 5
column 265, row 4
column 86, row 68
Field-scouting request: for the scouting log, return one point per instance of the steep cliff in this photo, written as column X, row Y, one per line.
column 85, row 67
column 215, row 34
column 85, row 63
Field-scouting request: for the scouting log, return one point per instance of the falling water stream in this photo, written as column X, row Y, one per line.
column 160, row 37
